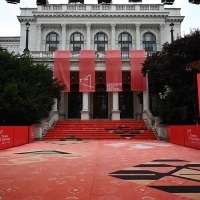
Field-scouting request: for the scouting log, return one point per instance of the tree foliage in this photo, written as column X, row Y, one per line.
column 27, row 90
column 167, row 69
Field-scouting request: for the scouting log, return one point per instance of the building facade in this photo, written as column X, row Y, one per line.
column 77, row 27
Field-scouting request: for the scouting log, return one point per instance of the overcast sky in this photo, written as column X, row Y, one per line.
column 11, row 27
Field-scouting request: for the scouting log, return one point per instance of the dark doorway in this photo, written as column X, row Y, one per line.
column 100, row 102
column 75, row 102
column 126, row 102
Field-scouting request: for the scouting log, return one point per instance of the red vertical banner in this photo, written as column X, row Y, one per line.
column 138, row 81
column 87, row 71
column 62, row 68
column 198, row 88
column 113, row 71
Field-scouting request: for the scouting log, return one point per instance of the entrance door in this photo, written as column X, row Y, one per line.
column 75, row 105
column 126, row 104
column 100, row 105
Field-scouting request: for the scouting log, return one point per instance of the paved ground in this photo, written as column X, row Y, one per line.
column 100, row 170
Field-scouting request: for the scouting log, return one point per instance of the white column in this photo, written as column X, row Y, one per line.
column 146, row 96
column 63, row 47
column 85, row 110
column 88, row 46
column 38, row 37
column 162, row 26
column 113, row 36
column 115, row 111
column 115, row 101
column 62, row 104
column 55, row 106
column 137, row 39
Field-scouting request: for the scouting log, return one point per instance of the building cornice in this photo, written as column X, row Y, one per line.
column 170, row 19
column 25, row 18
column 100, row 15
column 10, row 39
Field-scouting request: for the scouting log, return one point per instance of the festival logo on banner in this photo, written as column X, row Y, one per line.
column 4, row 139
column 87, row 81
column 114, row 87
column 193, row 137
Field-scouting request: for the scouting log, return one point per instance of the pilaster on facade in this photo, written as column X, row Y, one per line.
column 63, row 45
column 88, row 45
column 39, row 33
column 162, row 26
column 137, row 37
column 113, row 26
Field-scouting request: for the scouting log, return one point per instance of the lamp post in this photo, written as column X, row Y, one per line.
column 172, row 31
column 26, row 50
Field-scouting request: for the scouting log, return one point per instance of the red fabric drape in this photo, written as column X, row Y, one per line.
column 87, row 71
column 62, row 68
column 198, row 87
column 113, row 71
column 138, row 81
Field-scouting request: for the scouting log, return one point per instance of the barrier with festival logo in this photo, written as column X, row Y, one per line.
column 12, row 136
column 188, row 135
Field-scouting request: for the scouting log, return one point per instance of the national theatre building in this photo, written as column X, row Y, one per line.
column 97, row 51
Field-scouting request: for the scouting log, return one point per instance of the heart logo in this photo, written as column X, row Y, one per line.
column 87, row 81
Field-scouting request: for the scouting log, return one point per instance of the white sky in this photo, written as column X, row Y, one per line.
column 11, row 27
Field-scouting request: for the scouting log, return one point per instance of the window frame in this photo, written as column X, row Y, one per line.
column 52, row 45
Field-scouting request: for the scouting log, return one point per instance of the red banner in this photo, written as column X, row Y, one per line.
column 87, row 71
column 6, row 137
column 176, row 135
column 192, row 136
column 198, row 87
column 188, row 135
column 62, row 68
column 138, row 81
column 20, row 135
column 113, row 71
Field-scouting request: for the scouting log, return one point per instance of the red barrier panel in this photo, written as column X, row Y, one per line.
column 176, row 135
column 31, row 131
column 6, row 137
column 21, row 135
column 192, row 136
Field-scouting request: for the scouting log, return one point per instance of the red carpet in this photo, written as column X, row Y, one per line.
column 100, row 129
column 100, row 170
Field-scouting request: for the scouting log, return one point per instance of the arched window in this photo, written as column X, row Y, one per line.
column 52, row 41
column 101, row 42
column 125, row 42
column 76, row 42
column 149, row 42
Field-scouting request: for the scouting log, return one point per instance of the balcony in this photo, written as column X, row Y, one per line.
column 74, row 55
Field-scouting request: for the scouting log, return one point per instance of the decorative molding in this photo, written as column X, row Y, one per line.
column 101, row 15
column 10, row 39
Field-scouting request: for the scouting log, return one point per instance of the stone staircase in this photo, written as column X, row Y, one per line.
column 99, row 129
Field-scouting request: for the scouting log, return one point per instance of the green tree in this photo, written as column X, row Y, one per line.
column 167, row 69
column 27, row 90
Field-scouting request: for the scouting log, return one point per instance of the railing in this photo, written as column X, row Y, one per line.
column 74, row 55
column 41, row 54
column 44, row 124
column 99, row 7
